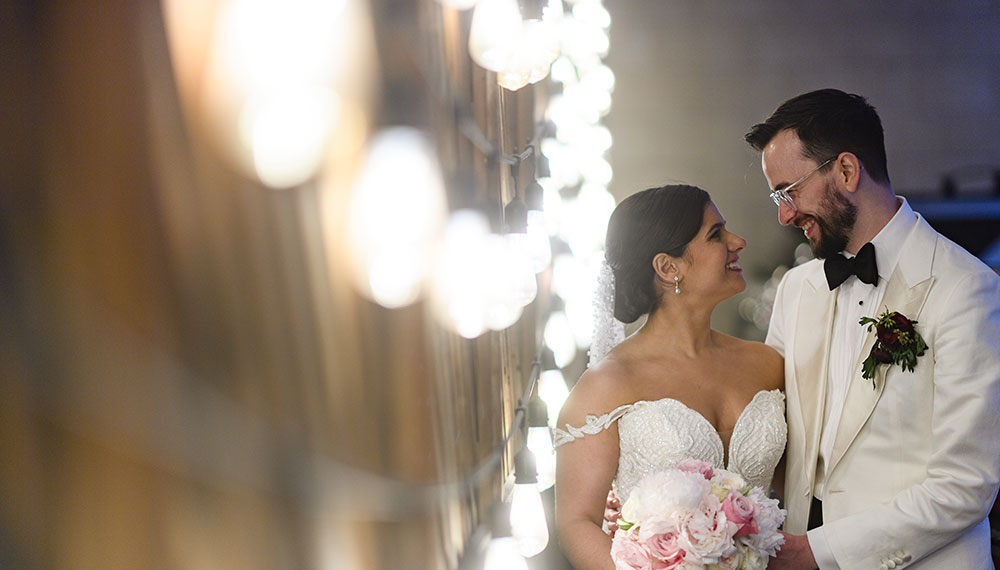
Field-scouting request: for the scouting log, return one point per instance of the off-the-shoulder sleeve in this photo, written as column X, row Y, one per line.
column 593, row 425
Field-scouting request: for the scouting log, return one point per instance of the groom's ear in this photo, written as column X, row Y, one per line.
column 665, row 268
column 848, row 171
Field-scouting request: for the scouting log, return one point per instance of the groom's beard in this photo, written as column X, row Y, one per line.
column 836, row 221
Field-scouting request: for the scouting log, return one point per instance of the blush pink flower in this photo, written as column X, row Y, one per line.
column 629, row 554
column 665, row 550
column 703, row 468
column 740, row 510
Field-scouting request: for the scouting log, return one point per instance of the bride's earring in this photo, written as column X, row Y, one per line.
column 677, row 286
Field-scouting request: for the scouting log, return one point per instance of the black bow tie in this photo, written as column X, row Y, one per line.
column 838, row 268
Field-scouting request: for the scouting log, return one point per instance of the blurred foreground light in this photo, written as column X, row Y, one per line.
column 456, row 294
column 481, row 280
column 396, row 216
column 587, row 219
column 553, row 391
column 536, row 243
column 583, row 40
column 510, row 280
column 268, row 81
column 287, row 133
column 559, row 337
column 592, row 12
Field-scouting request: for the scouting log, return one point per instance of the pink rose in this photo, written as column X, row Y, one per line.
column 740, row 511
column 703, row 468
column 628, row 553
column 665, row 551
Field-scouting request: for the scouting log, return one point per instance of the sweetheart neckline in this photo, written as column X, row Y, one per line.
column 725, row 448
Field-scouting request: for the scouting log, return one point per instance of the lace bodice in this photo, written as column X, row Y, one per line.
column 655, row 435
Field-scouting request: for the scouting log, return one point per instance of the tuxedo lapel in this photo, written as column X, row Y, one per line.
column 861, row 395
column 813, row 328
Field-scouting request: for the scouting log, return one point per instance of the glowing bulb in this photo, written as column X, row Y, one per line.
column 527, row 519
column 496, row 26
column 592, row 12
column 540, row 443
column 553, row 391
column 287, row 133
column 503, row 554
column 537, row 245
column 457, row 294
column 397, row 211
column 559, row 337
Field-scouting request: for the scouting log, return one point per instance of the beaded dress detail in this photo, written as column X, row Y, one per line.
column 655, row 435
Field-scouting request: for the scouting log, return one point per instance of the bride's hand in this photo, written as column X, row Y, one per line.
column 612, row 511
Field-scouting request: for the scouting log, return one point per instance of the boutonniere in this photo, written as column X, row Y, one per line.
column 897, row 342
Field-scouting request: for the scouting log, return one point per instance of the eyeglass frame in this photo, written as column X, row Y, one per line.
column 782, row 195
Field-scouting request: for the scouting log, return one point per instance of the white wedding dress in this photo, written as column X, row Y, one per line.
column 656, row 435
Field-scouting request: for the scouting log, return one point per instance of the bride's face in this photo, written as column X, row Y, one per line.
column 714, row 267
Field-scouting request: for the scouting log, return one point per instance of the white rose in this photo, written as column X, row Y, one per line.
column 729, row 481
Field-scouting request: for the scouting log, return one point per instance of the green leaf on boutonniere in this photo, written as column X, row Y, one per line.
column 896, row 342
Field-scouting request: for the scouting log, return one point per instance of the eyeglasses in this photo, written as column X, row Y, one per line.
column 779, row 196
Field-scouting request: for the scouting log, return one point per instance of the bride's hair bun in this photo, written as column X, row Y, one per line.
column 657, row 220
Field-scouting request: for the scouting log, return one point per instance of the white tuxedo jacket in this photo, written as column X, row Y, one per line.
column 914, row 468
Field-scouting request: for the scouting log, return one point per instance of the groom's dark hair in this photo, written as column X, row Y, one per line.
column 829, row 122
column 657, row 220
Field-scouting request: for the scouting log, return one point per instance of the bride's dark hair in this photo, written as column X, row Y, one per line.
column 657, row 220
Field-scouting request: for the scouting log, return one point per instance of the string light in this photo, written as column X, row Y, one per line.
column 503, row 553
column 552, row 387
column 527, row 516
column 540, row 443
column 559, row 338
column 520, row 51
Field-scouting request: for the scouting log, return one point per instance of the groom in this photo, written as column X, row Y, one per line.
column 898, row 469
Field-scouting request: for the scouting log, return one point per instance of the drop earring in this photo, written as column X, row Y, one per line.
column 677, row 286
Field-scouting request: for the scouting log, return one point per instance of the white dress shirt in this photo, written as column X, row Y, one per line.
column 855, row 299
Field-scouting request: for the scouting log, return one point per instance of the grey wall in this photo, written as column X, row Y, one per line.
column 694, row 75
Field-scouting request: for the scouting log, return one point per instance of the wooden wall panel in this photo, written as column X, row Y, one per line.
column 188, row 378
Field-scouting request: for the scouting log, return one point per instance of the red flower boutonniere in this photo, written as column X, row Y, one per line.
column 897, row 342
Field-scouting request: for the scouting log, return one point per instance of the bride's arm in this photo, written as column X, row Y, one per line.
column 584, row 470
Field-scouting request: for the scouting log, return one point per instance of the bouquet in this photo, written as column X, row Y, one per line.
column 694, row 517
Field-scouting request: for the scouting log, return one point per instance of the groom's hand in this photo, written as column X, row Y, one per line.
column 612, row 510
column 795, row 554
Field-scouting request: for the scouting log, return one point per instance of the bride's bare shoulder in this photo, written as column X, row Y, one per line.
column 601, row 389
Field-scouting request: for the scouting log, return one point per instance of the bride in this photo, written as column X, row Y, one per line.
column 675, row 388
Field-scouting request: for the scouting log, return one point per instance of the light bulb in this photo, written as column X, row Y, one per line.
column 527, row 519
column 457, row 294
column 559, row 337
column 540, row 443
column 502, row 554
column 397, row 212
column 553, row 391
column 496, row 26
column 538, row 247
